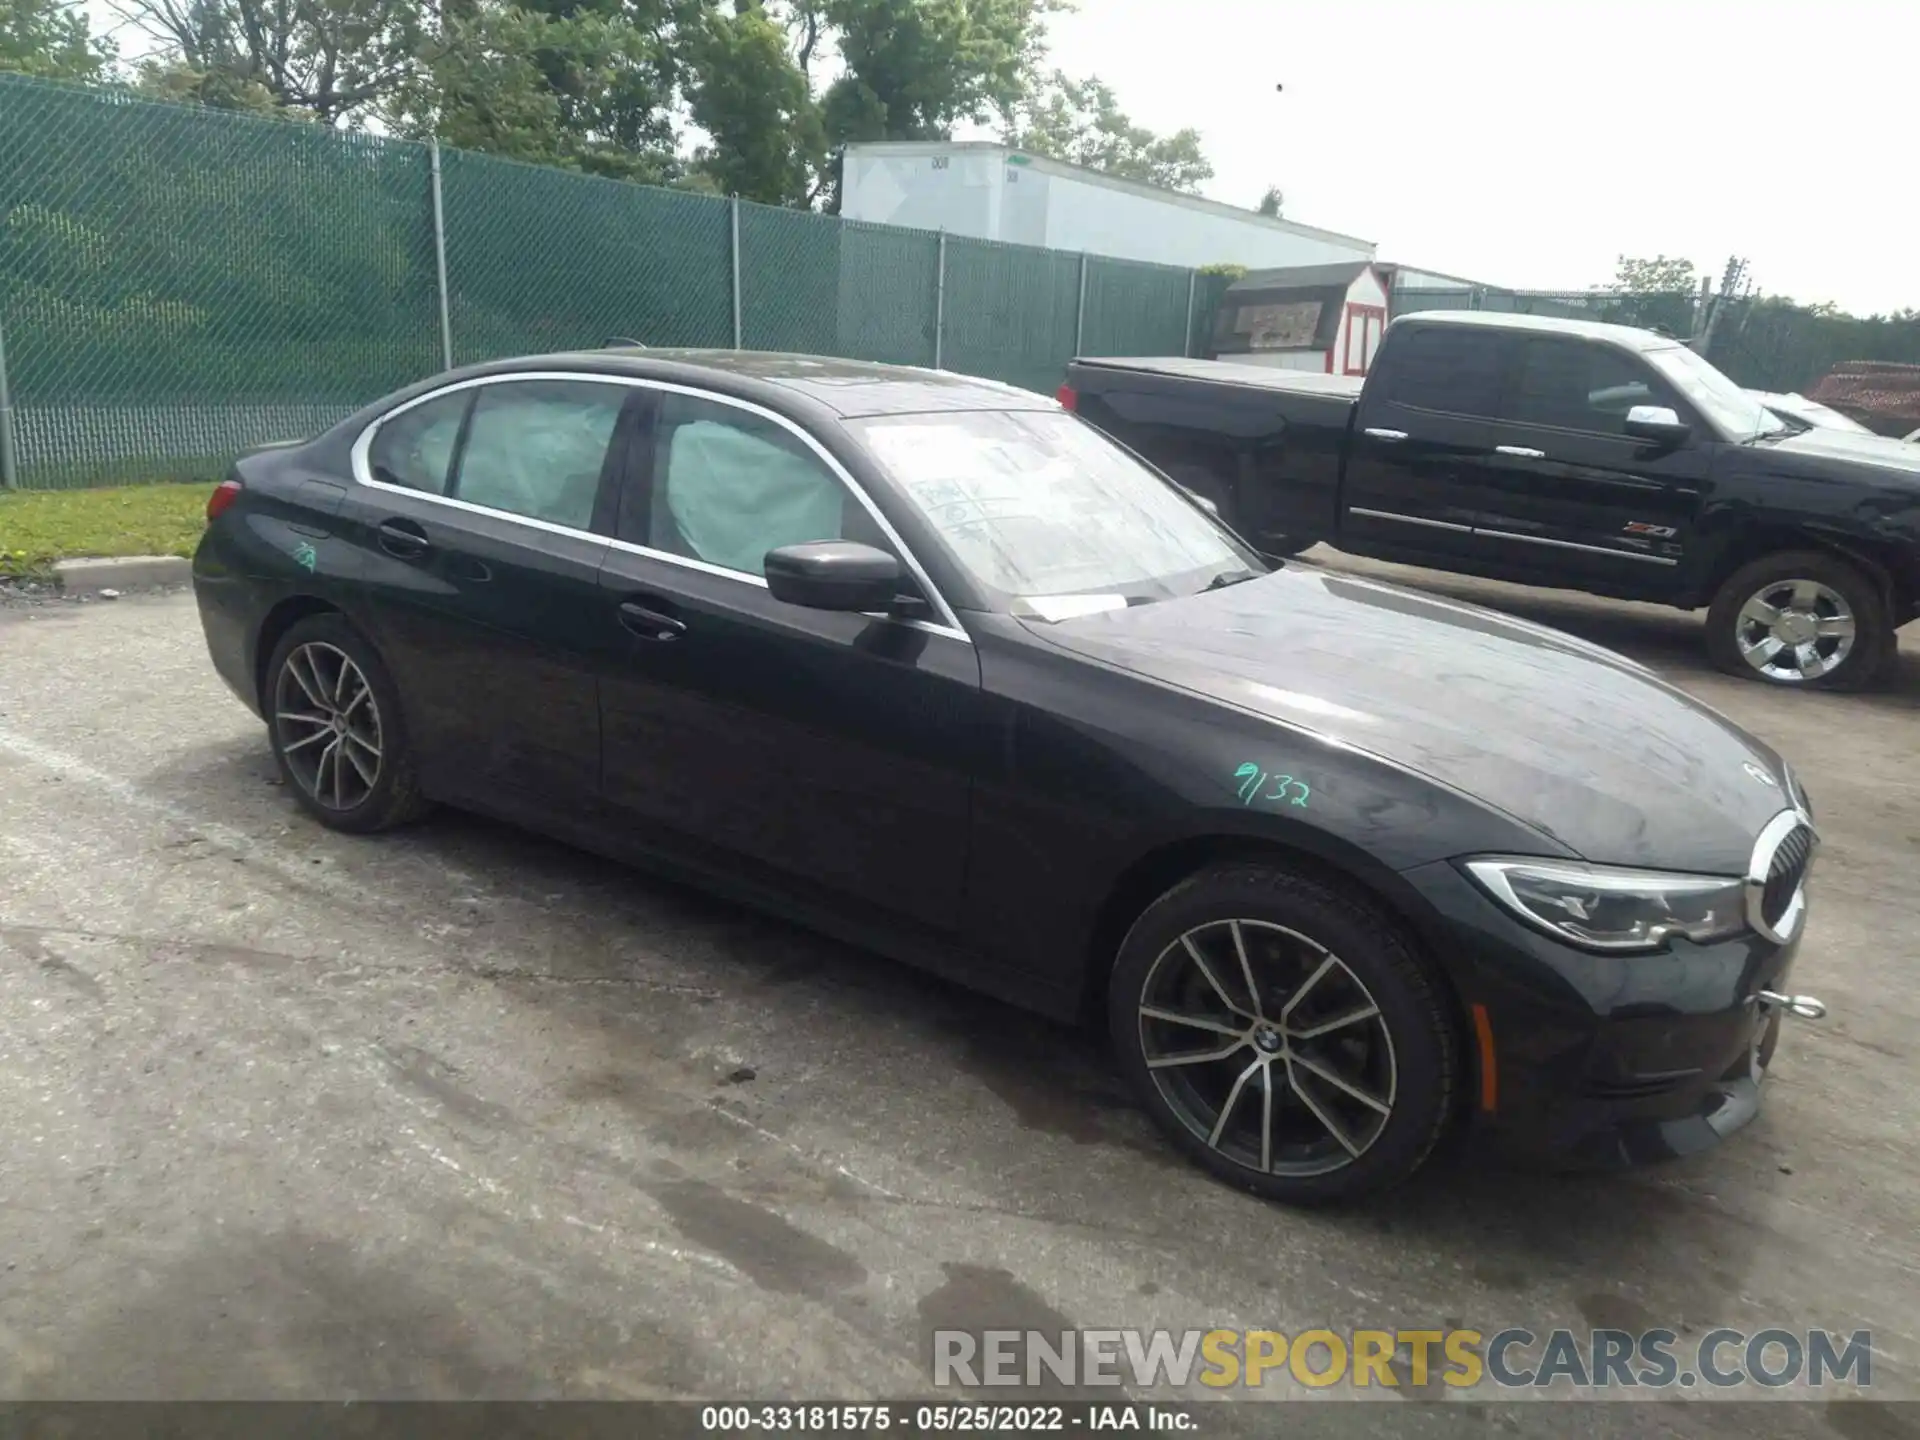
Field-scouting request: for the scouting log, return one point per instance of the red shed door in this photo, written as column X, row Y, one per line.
column 1365, row 325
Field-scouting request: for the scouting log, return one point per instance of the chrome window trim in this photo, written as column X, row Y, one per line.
column 1772, row 836
column 948, row 624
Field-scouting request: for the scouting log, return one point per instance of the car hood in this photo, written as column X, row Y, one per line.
column 1897, row 459
column 1584, row 745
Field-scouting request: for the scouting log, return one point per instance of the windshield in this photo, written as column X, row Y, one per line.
column 1048, row 514
column 1736, row 413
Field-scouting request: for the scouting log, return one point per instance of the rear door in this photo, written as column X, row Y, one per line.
column 823, row 752
column 1566, row 496
column 1418, row 455
column 482, row 520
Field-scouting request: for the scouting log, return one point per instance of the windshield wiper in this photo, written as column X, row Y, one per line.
column 1229, row 577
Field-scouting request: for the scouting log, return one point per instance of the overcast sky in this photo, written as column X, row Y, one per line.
column 1531, row 142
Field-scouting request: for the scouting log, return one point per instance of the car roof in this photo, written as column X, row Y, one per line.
column 1625, row 335
column 843, row 388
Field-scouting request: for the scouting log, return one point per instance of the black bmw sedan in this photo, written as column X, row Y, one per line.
column 928, row 664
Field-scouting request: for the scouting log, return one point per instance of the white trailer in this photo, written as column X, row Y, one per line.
column 991, row 192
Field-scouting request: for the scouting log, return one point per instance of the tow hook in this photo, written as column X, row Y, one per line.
column 1801, row 1007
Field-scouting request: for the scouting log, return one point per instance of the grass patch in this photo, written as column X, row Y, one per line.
column 38, row 527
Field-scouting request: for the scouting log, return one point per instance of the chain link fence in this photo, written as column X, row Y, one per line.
column 177, row 284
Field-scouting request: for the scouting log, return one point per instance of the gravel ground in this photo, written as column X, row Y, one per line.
column 461, row 1113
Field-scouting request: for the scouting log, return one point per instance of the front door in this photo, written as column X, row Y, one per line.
column 1414, row 468
column 478, row 538
column 825, row 752
column 1566, row 496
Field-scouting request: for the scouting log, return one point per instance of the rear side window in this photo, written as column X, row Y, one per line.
column 537, row 448
column 1455, row 371
column 415, row 448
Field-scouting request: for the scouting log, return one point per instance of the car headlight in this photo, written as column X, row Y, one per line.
column 1601, row 907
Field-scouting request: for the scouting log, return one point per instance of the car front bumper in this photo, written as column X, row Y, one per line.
column 1592, row 1061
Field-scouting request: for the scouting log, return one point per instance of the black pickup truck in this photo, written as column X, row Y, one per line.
column 1559, row 453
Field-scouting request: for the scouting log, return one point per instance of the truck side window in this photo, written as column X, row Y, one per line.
column 1454, row 371
column 1571, row 385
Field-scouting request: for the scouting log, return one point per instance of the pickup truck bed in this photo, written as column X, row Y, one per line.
column 1261, row 445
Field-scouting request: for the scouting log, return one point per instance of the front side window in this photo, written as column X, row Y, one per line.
column 730, row 485
column 537, row 448
column 1736, row 413
column 1452, row 370
column 1569, row 385
column 415, row 448
column 1046, row 512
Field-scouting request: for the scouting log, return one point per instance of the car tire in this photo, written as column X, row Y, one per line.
column 1807, row 589
column 1317, row 953
column 338, row 736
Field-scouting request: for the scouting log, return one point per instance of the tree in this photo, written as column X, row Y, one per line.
column 1658, row 276
column 50, row 39
column 331, row 59
column 1271, row 201
column 615, row 70
column 581, row 86
column 1081, row 122
column 1657, row 294
column 916, row 68
column 753, row 99
column 216, row 89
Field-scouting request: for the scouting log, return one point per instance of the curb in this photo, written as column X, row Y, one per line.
column 127, row 572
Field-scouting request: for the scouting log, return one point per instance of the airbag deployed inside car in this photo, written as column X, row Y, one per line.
column 538, row 456
column 734, row 496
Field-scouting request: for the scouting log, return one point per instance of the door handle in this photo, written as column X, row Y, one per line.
column 1519, row 452
column 650, row 624
column 402, row 539
column 1391, row 437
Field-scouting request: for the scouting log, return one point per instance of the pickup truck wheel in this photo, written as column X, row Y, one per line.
column 1801, row 618
column 1284, row 1034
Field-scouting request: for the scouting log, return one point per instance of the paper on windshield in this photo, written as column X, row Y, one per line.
column 1055, row 608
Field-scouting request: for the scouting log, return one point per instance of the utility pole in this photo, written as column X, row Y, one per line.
column 1732, row 285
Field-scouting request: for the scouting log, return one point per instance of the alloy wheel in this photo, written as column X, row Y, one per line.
column 1795, row 630
column 328, row 725
column 1267, row 1047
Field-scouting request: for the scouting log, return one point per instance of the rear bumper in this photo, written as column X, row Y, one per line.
column 229, row 609
column 1598, row 1061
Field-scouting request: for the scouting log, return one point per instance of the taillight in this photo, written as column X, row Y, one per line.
column 1068, row 398
column 224, row 494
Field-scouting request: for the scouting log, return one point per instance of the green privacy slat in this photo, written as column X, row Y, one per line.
column 179, row 284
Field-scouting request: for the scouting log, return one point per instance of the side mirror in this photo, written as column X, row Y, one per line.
column 1657, row 423
column 833, row 575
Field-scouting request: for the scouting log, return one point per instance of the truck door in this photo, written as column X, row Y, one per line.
column 1419, row 449
column 1564, row 495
